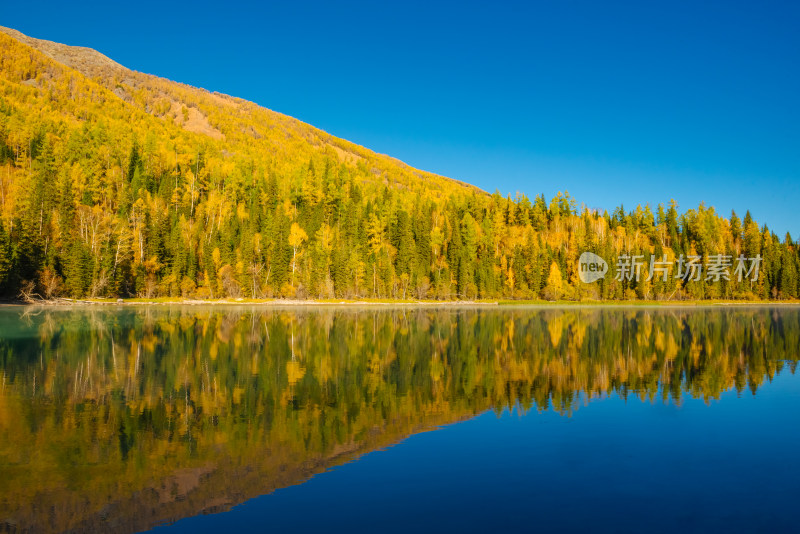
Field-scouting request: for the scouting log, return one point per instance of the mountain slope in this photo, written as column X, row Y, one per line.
column 118, row 183
column 246, row 128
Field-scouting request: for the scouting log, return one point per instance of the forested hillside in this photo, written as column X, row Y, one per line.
column 115, row 183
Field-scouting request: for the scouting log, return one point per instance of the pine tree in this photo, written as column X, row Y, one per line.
column 6, row 255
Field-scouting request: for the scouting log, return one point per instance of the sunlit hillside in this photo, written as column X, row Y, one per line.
column 271, row 140
column 115, row 183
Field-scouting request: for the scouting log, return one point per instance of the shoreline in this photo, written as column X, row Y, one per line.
column 64, row 302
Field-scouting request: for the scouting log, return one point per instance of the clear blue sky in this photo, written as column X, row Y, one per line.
column 616, row 102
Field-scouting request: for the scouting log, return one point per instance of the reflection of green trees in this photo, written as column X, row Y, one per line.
column 97, row 407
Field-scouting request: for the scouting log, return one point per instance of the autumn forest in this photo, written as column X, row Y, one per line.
column 116, row 184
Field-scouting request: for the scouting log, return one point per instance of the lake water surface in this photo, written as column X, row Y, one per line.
column 490, row 419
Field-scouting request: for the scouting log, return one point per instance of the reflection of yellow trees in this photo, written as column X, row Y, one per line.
column 106, row 404
column 555, row 327
column 580, row 350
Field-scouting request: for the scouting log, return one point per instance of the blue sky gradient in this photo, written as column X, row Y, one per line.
column 616, row 102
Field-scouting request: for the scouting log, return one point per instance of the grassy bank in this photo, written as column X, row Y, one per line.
column 412, row 302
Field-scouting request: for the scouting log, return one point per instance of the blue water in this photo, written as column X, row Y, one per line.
column 727, row 465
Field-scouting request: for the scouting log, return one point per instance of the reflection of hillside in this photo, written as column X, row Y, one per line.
column 132, row 418
column 218, row 483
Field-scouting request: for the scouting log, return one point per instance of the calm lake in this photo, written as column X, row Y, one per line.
column 365, row 419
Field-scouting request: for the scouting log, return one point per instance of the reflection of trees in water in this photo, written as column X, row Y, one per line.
column 114, row 402
column 228, row 360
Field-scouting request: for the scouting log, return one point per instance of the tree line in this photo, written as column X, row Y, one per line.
column 194, row 233
column 111, row 196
